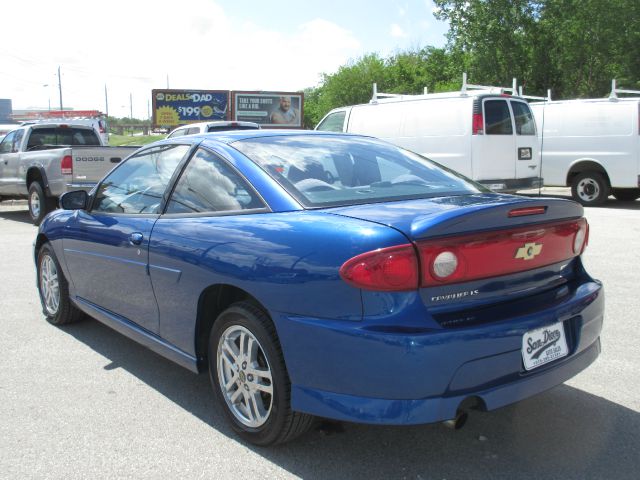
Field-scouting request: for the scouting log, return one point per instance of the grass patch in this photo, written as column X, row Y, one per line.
column 125, row 140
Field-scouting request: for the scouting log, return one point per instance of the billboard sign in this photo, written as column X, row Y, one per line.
column 269, row 109
column 180, row 107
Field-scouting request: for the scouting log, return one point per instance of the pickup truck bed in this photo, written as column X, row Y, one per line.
column 33, row 166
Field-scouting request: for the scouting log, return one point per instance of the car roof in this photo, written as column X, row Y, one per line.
column 231, row 136
column 214, row 123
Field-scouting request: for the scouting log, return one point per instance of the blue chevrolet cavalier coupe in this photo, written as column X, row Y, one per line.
column 328, row 275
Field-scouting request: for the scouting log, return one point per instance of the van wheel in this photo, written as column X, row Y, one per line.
column 590, row 188
column 626, row 194
column 249, row 377
column 39, row 203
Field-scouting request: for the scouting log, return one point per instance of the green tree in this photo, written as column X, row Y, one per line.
column 491, row 39
column 574, row 47
column 405, row 72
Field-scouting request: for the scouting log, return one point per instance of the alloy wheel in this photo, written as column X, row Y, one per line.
column 245, row 376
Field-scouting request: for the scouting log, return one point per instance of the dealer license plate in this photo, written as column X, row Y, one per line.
column 544, row 345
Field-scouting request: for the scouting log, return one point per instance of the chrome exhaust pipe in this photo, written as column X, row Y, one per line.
column 458, row 421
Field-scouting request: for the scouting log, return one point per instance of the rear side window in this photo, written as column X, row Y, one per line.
column 497, row 118
column 208, row 184
column 42, row 137
column 333, row 123
column 524, row 120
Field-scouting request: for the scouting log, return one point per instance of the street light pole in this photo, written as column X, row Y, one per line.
column 60, row 87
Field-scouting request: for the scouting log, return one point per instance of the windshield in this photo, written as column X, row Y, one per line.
column 328, row 170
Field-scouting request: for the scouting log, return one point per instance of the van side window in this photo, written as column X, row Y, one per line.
column 497, row 118
column 524, row 120
column 333, row 123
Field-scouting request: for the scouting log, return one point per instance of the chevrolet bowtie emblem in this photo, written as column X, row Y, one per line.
column 529, row 251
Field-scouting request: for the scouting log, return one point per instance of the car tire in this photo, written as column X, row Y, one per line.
column 590, row 188
column 250, row 379
column 626, row 194
column 54, row 290
column 39, row 203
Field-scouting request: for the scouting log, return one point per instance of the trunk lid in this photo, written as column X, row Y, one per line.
column 521, row 247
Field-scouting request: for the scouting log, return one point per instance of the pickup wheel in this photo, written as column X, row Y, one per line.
column 249, row 377
column 39, row 203
column 590, row 188
column 54, row 290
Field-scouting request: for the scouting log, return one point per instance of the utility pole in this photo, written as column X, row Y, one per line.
column 106, row 100
column 167, row 81
column 60, row 87
column 131, row 111
column 106, row 107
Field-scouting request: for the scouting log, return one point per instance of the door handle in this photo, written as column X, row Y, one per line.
column 136, row 238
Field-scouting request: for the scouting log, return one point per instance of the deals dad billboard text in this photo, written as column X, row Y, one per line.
column 269, row 109
column 179, row 107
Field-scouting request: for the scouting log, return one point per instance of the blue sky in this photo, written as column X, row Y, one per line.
column 134, row 46
column 372, row 22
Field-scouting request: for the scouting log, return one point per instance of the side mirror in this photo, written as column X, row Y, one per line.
column 76, row 200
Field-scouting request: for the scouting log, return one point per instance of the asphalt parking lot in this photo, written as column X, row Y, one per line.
column 84, row 402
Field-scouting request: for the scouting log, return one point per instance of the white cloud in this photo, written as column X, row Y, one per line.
column 397, row 31
column 196, row 44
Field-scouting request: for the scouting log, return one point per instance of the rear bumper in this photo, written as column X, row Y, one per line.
column 511, row 184
column 345, row 371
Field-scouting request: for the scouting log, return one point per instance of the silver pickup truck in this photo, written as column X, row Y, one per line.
column 40, row 162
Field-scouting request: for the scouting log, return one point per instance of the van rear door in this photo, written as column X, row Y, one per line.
column 494, row 147
column 527, row 152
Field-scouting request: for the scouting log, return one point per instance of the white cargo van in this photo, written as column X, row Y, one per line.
column 592, row 145
column 483, row 133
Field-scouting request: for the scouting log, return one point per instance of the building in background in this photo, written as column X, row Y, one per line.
column 6, row 109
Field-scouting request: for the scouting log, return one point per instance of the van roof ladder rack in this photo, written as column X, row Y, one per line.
column 469, row 86
column 532, row 97
column 614, row 91
column 513, row 90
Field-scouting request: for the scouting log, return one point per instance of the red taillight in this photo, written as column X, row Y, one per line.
column 502, row 252
column 478, row 124
column 386, row 269
column 465, row 258
column 581, row 238
column 66, row 165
